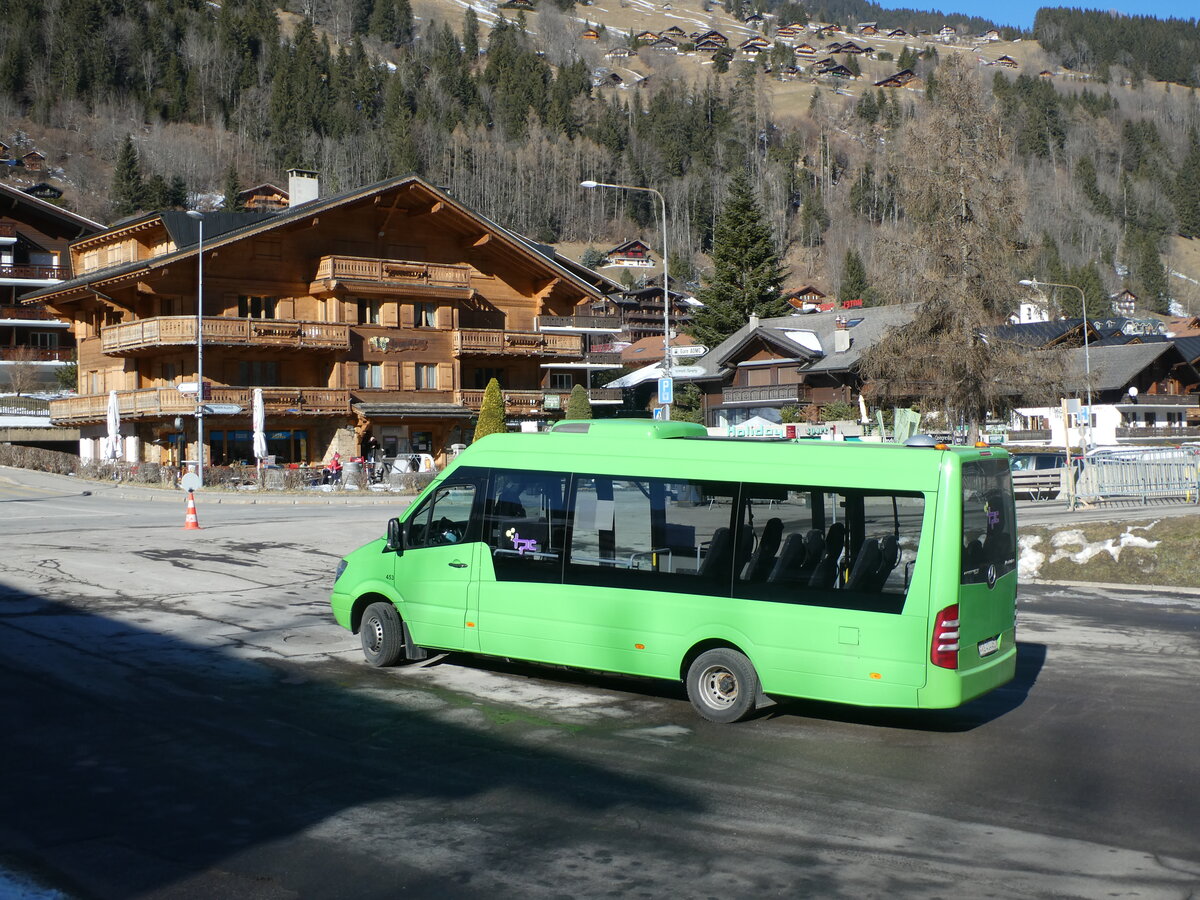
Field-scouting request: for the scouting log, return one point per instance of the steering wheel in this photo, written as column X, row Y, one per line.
column 447, row 532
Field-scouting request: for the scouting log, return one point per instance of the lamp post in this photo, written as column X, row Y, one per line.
column 666, row 365
column 199, row 217
column 1087, row 363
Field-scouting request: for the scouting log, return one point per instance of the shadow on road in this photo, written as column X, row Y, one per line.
column 134, row 763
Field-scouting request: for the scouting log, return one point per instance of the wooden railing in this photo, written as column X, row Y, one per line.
column 585, row 323
column 166, row 331
column 521, row 343
column 1028, row 434
column 796, row 393
column 27, row 312
column 1159, row 400
column 33, row 273
column 154, row 402
column 1159, row 431
column 35, row 354
column 397, row 271
column 515, row 402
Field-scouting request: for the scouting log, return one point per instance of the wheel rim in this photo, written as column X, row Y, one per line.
column 718, row 687
column 373, row 629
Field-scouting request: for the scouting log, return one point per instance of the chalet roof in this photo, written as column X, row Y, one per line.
column 628, row 245
column 17, row 203
column 1114, row 367
column 809, row 337
column 1037, row 334
column 221, row 228
column 1189, row 349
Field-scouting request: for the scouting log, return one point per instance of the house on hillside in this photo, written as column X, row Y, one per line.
column 618, row 53
column 900, row 79
column 263, row 197
column 1007, row 61
column 663, row 45
column 630, row 255
column 868, row 28
column 709, row 46
column 1124, row 303
column 5, row 151
column 34, row 161
column 991, row 35
column 897, row 33
column 646, row 37
column 946, row 34
column 675, row 33
column 806, row 52
column 590, row 34
column 806, row 298
column 386, row 308
column 713, row 36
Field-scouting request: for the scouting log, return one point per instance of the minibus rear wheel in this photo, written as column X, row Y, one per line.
column 382, row 634
column 722, row 685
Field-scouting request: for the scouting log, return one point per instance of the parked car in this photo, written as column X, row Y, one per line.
column 1038, row 474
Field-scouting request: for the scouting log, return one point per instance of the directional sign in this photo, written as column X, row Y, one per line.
column 687, row 371
column 689, row 350
column 666, row 390
column 187, row 387
column 221, row 409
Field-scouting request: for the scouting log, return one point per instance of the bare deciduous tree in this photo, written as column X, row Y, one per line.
column 963, row 199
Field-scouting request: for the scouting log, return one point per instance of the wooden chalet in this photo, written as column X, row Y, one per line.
column 805, row 298
column 618, row 53
column 713, row 36
column 897, row 33
column 991, row 35
column 263, row 197
column 868, row 28
column 647, row 37
column 590, row 34
column 1007, row 61
column 630, row 255
column 1125, row 303
column 642, row 310
column 34, row 161
column 900, row 79
column 806, row 52
column 386, row 308
column 664, row 45
column 947, row 33
column 754, row 20
column 675, row 33
column 709, row 46
column 5, row 151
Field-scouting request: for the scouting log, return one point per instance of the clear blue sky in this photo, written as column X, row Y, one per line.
column 1019, row 13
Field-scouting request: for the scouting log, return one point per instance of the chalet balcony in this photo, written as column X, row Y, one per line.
column 1148, row 432
column 495, row 342
column 414, row 278
column 1029, row 434
column 1144, row 400
column 579, row 324
column 28, row 313
column 767, row 394
column 20, row 272
column 149, row 335
column 515, row 402
column 603, row 396
column 153, row 403
column 36, row 354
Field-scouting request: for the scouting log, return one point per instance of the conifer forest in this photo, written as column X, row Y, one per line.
column 1102, row 160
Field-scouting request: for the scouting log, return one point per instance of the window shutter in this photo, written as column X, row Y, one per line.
column 445, row 376
column 406, row 315
column 389, row 314
column 408, row 375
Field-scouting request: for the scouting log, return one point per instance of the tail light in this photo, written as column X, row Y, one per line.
column 943, row 649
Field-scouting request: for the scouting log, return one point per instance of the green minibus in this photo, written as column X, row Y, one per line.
column 871, row 574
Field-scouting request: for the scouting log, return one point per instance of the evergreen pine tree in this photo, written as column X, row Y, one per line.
column 813, row 220
column 128, row 190
column 177, row 195
column 1149, row 269
column 854, row 279
column 578, row 405
column 232, row 188
column 747, row 272
column 471, row 35
column 1187, row 190
column 491, row 412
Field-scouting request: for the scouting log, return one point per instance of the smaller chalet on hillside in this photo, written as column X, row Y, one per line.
column 900, row 79
column 1007, row 61
column 805, row 299
column 630, row 255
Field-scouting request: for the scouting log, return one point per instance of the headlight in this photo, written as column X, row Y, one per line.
column 341, row 567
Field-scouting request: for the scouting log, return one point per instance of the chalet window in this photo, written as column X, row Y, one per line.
column 258, row 373
column 425, row 315
column 370, row 375
column 426, row 377
column 561, row 381
column 257, row 307
column 44, row 340
column 368, row 312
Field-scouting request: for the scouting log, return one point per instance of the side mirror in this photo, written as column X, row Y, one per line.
column 395, row 537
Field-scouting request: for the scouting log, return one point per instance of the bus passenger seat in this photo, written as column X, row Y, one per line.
column 790, row 561
column 720, row 549
column 889, row 555
column 866, row 564
column 763, row 558
column 825, row 574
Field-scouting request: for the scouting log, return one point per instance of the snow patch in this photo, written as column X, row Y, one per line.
column 1029, row 558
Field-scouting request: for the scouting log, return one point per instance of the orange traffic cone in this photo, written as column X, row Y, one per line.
column 190, row 522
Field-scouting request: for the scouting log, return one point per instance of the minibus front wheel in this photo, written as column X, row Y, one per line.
column 382, row 634
column 722, row 685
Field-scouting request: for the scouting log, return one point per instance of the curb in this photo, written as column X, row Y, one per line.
column 1190, row 591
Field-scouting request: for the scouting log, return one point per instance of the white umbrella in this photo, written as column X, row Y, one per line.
column 259, row 414
column 112, row 443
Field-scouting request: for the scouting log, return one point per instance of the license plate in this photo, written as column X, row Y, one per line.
column 988, row 647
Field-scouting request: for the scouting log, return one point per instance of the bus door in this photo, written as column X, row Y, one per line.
column 435, row 573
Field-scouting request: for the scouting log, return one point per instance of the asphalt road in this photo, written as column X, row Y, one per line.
column 182, row 719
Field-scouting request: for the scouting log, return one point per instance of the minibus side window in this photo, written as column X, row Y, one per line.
column 651, row 534
column 444, row 518
column 828, row 547
column 525, row 524
column 989, row 547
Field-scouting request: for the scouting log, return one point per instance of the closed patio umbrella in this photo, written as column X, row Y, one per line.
column 259, row 417
column 112, row 443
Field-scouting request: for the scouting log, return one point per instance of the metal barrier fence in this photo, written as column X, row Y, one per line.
column 1150, row 477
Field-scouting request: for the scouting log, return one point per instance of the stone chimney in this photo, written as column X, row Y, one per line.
column 303, row 186
column 753, row 320
column 841, row 335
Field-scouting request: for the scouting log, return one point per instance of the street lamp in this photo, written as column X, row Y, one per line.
column 666, row 366
column 199, row 217
column 1087, row 363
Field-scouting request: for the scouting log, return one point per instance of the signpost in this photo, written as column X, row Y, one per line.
column 687, row 371
column 689, row 350
column 193, row 387
column 219, row 409
column 666, row 387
